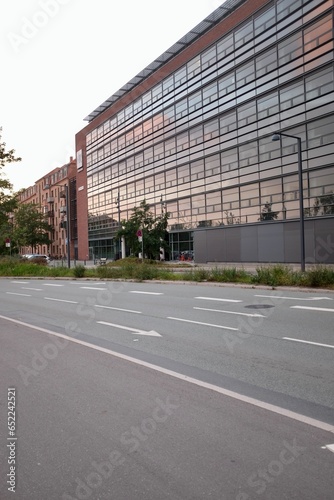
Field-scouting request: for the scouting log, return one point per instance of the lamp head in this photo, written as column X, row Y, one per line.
column 276, row 137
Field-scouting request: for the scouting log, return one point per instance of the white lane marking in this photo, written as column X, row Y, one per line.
column 221, row 300
column 146, row 293
column 61, row 300
column 205, row 324
column 293, row 298
column 308, row 342
column 312, row 308
column 119, row 309
column 22, row 294
column 28, row 288
column 151, row 333
column 92, row 288
column 329, row 447
column 190, row 380
column 51, row 284
column 80, row 283
column 20, row 282
column 231, row 312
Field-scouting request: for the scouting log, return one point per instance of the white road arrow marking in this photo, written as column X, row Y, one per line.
column 231, row 312
column 329, row 447
column 152, row 333
column 293, row 298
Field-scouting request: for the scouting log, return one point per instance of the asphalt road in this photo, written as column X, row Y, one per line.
column 150, row 400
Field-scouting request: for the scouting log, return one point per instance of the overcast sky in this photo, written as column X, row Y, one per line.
column 63, row 58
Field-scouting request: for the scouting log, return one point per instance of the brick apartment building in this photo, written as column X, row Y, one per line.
column 49, row 194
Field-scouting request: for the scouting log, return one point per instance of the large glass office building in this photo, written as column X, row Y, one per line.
column 192, row 132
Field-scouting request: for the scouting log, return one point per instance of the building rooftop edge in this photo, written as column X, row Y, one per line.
column 214, row 18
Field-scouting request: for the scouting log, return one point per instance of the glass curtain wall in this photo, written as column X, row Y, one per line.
column 201, row 138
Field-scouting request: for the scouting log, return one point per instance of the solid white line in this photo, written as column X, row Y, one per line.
column 312, row 308
column 61, row 300
column 22, row 294
column 51, row 284
column 205, row 324
column 308, row 342
column 92, row 288
column 119, row 309
column 146, row 293
column 214, row 298
column 231, row 312
column 255, row 402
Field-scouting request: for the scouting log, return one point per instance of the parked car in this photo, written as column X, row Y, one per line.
column 36, row 256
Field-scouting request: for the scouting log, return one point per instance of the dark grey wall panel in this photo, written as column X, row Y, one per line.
column 291, row 242
column 216, row 245
column 271, row 242
column 267, row 242
column 249, row 244
column 233, row 244
column 324, row 241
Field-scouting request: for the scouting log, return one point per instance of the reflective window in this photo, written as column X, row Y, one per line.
column 318, row 33
column 243, row 34
column 225, row 46
column 267, row 105
column 320, row 132
column 246, row 114
column 267, row 62
column 209, row 93
column 194, row 101
column 228, row 122
column 319, row 83
column 229, row 159
column 226, row 84
column 291, row 48
column 194, row 66
column 245, row 74
column 285, row 7
column 208, row 57
column 292, row 95
column 264, row 20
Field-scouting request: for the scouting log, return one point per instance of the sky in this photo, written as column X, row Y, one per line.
column 62, row 58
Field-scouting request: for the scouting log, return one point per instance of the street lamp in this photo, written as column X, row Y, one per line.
column 118, row 205
column 68, row 224
column 277, row 137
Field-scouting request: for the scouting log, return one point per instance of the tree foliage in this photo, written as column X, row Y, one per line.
column 323, row 205
column 8, row 201
column 154, row 230
column 31, row 227
column 267, row 212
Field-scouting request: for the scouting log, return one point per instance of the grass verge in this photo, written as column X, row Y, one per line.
column 134, row 269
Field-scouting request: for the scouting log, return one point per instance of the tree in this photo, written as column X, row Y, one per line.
column 267, row 213
column 323, row 205
column 8, row 201
column 31, row 227
column 154, row 230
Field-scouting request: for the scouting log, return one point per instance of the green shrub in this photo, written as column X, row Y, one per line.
column 79, row 271
column 320, row 276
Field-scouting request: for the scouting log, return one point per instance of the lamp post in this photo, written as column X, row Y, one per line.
column 277, row 137
column 68, row 224
column 118, row 205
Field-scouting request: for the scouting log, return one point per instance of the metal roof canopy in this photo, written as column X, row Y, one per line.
column 214, row 18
